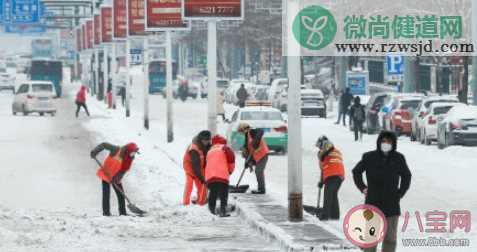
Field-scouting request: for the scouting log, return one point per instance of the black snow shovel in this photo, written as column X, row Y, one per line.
column 132, row 207
column 240, row 188
column 317, row 211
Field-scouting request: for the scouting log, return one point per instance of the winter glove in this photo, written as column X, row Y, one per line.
column 93, row 154
column 320, row 184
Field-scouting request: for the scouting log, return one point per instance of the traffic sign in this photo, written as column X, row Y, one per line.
column 212, row 9
column 164, row 16
column 21, row 11
column 395, row 67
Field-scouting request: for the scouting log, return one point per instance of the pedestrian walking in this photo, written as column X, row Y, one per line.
column 388, row 179
column 242, row 96
column 332, row 176
column 81, row 101
column 219, row 167
column 194, row 166
column 114, row 168
column 344, row 103
column 357, row 115
column 255, row 151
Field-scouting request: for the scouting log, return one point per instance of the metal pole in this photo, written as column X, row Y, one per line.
column 170, row 118
column 212, row 74
column 128, row 78
column 96, row 74
column 146, row 82
column 105, row 74
column 114, row 67
column 474, row 41
column 409, row 76
column 295, row 180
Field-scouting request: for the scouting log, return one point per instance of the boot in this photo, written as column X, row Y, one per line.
column 223, row 213
column 258, row 192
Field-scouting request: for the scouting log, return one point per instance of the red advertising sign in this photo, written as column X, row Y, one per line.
column 106, row 24
column 119, row 19
column 79, row 42
column 135, row 13
column 214, row 9
column 89, row 34
column 97, row 29
column 83, row 36
column 163, row 15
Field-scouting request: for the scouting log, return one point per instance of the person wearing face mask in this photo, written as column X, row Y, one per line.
column 194, row 163
column 114, row 167
column 388, row 179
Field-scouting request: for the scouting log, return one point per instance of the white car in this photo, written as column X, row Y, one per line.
column 35, row 97
column 222, row 85
column 418, row 117
column 434, row 115
column 458, row 127
column 313, row 103
column 7, row 82
column 261, row 116
column 277, row 91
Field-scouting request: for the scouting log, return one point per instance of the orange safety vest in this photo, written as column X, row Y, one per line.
column 187, row 163
column 333, row 165
column 259, row 153
column 111, row 166
column 217, row 167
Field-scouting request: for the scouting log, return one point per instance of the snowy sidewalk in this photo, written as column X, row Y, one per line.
column 271, row 219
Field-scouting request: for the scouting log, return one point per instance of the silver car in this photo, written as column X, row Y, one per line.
column 35, row 97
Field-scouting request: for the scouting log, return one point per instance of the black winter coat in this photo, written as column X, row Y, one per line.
column 388, row 177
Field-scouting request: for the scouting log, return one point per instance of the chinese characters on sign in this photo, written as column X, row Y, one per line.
column 97, row 29
column 106, row 24
column 89, row 34
column 119, row 19
column 228, row 9
column 403, row 27
column 136, row 25
column 163, row 14
column 440, row 222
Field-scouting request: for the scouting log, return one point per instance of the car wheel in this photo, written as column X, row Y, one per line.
column 53, row 113
column 427, row 141
column 25, row 113
column 42, row 113
column 14, row 113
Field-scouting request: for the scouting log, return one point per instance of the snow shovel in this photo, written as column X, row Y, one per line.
column 240, row 188
column 317, row 211
column 133, row 208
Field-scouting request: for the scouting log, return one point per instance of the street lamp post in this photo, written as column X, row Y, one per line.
column 212, row 75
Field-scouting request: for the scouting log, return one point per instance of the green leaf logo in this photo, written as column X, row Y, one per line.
column 314, row 27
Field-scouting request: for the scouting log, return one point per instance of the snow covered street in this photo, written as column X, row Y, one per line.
column 50, row 197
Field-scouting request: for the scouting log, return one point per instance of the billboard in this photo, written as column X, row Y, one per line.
column 119, row 19
column 106, row 24
column 213, row 9
column 358, row 82
column 89, row 34
column 79, row 46
column 164, row 15
column 135, row 13
column 97, row 29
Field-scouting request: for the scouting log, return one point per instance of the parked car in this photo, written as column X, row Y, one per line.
column 398, row 115
column 277, row 89
column 222, row 85
column 260, row 115
column 7, row 82
column 421, row 111
column 372, row 109
column 435, row 114
column 35, row 97
column 313, row 103
column 458, row 127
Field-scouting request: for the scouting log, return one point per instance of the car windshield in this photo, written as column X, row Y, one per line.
column 312, row 100
column 429, row 103
column 42, row 88
column 411, row 104
column 442, row 110
column 261, row 116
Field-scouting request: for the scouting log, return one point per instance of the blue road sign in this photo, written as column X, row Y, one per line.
column 21, row 11
column 1, row 11
column 358, row 82
column 395, row 67
column 25, row 28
